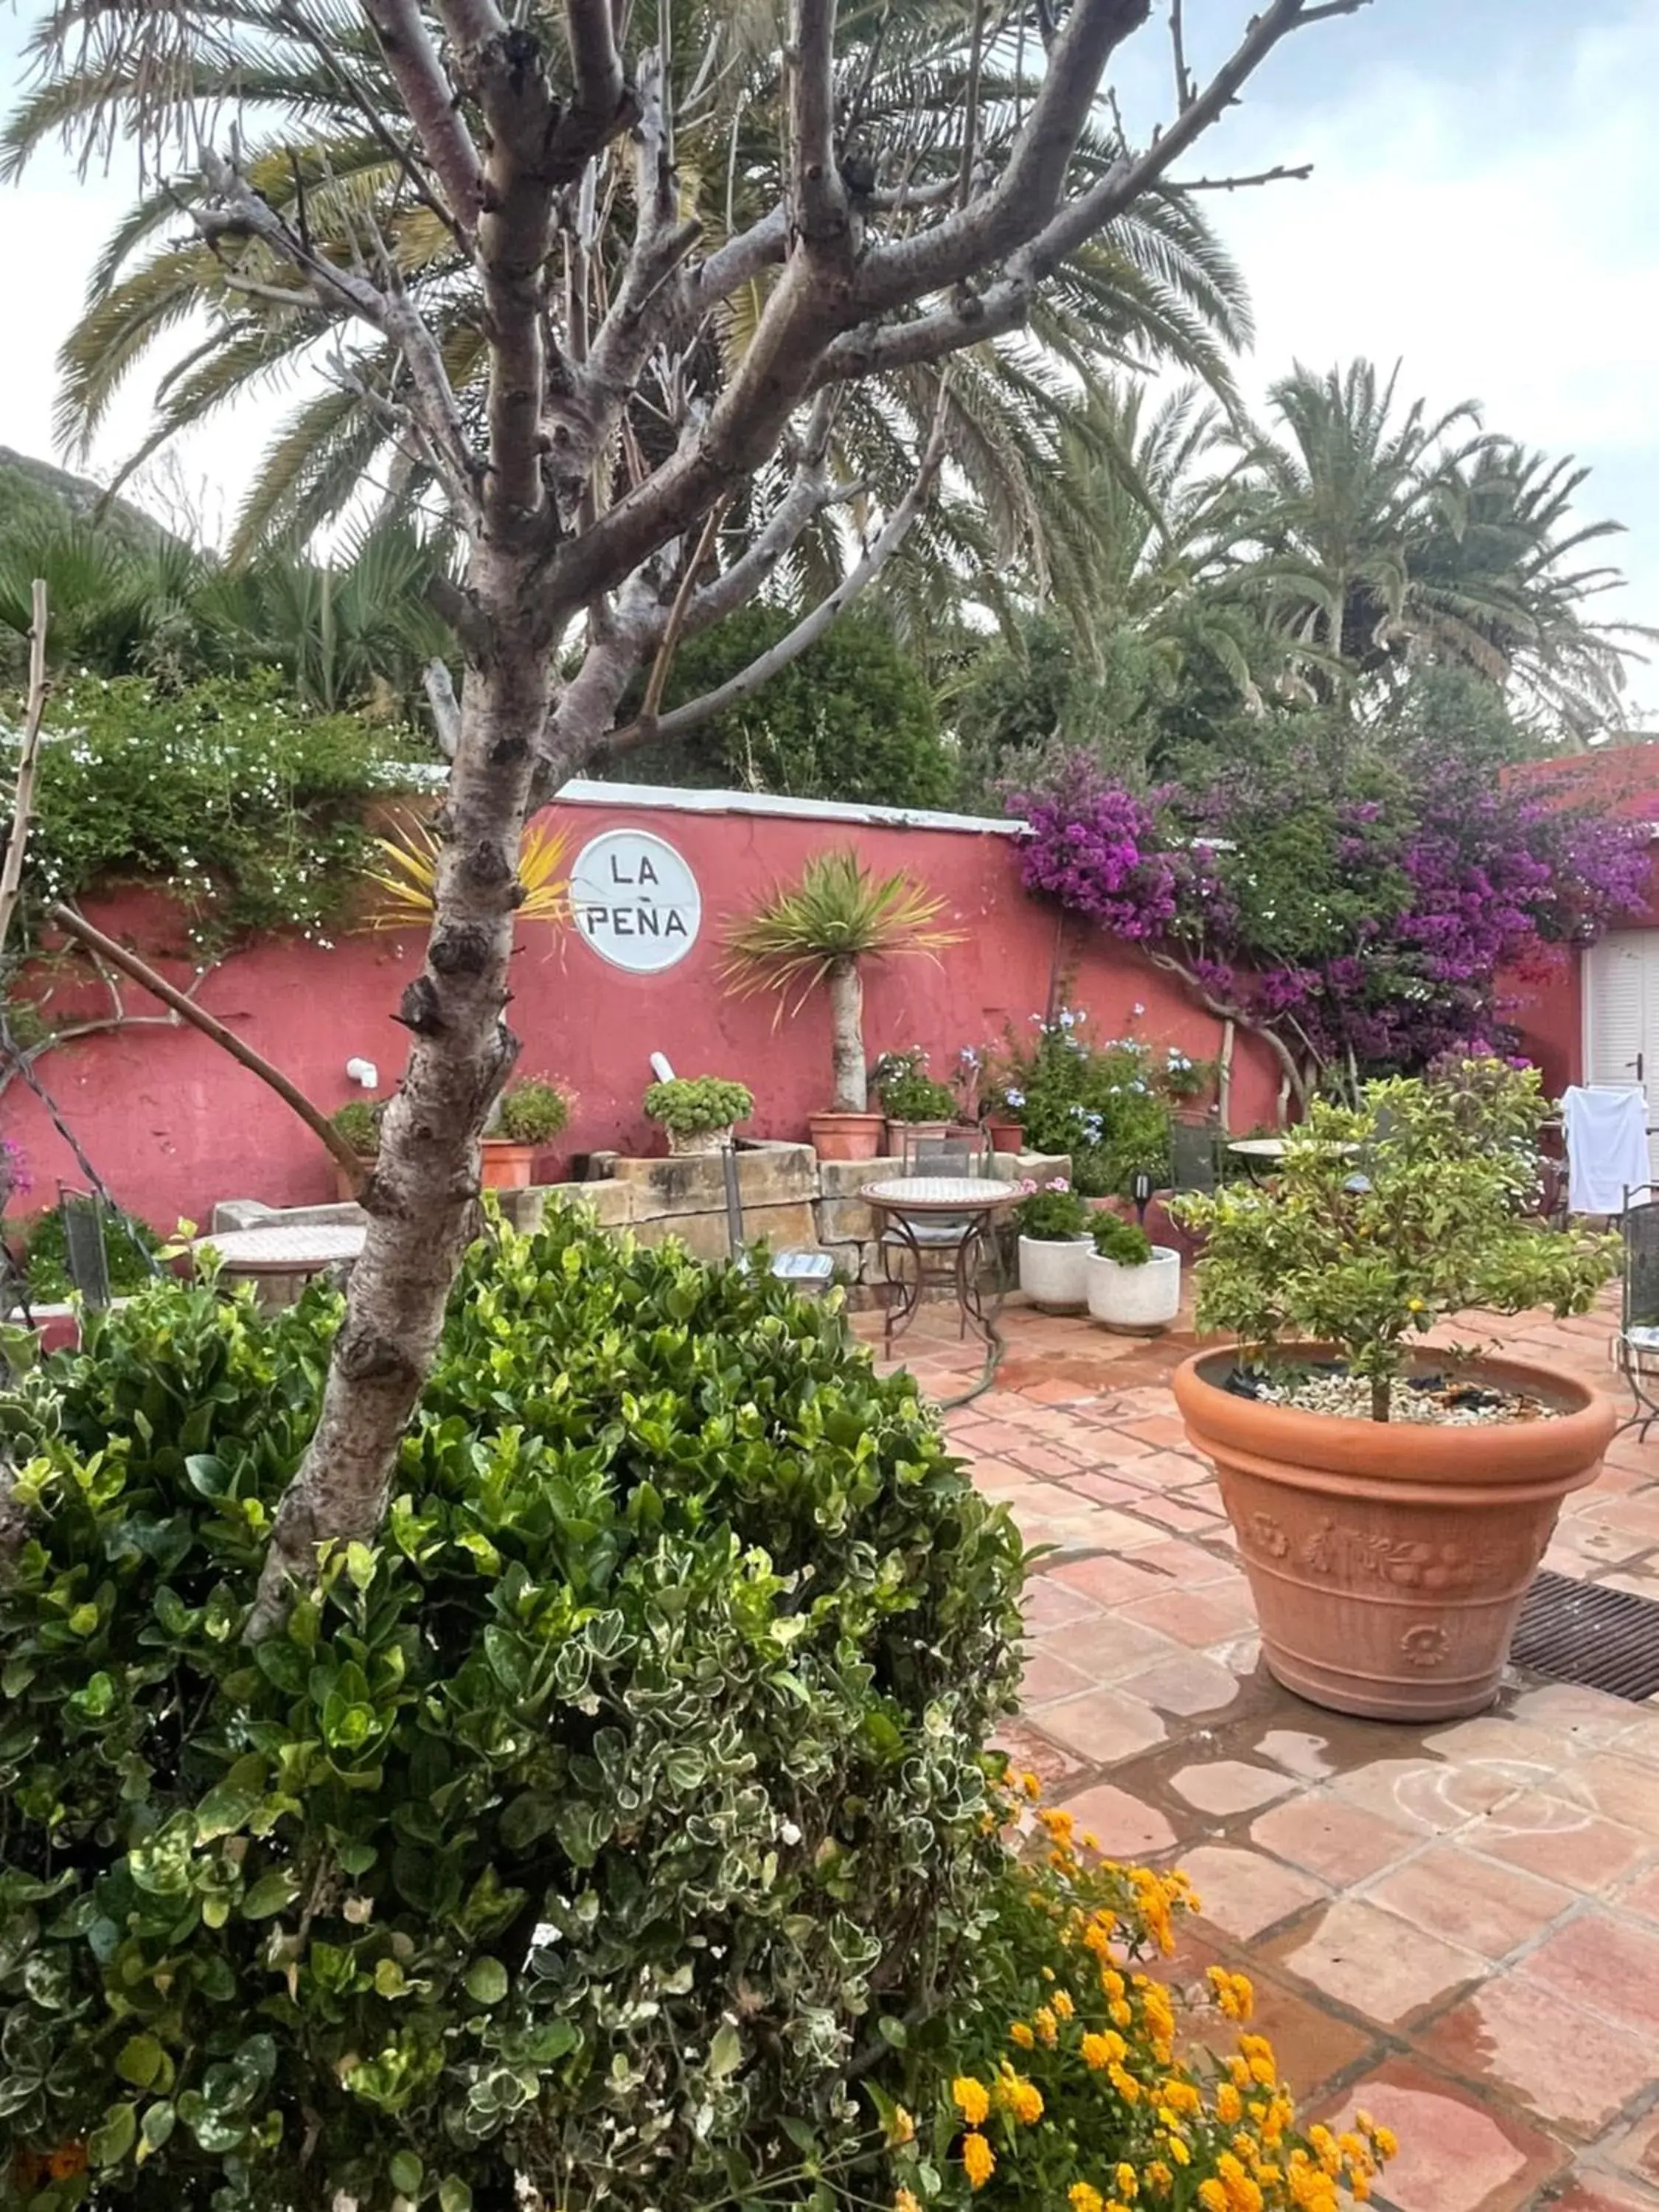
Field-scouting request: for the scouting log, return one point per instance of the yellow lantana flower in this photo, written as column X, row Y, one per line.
column 972, row 2100
column 978, row 2160
column 1085, row 2198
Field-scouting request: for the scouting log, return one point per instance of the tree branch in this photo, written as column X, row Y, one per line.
column 806, row 632
column 185, row 1007
column 1285, row 173
column 446, row 708
column 1224, row 1010
column 28, row 763
column 818, row 198
column 412, row 62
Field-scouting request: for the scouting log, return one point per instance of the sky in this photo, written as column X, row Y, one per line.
column 1484, row 208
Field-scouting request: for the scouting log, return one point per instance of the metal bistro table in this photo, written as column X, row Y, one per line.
column 284, row 1254
column 1260, row 1155
column 943, row 1215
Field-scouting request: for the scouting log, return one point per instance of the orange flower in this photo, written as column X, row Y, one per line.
column 972, row 2100
column 978, row 2159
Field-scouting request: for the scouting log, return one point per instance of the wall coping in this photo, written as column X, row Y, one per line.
column 582, row 791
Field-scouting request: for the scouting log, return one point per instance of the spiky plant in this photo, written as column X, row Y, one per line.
column 818, row 931
column 408, row 873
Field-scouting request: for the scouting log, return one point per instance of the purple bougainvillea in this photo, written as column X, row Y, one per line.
column 1363, row 932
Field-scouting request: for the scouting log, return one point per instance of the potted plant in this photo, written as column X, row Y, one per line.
column 912, row 1102
column 1391, row 1502
column 820, row 931
column 1003, row 1124
column 1053, row 1223
column 529, row 1115
column 359, row 1122
column 1131, row 1283
column 699, row 1111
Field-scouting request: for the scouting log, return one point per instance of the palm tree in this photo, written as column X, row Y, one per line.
column 1156, row 288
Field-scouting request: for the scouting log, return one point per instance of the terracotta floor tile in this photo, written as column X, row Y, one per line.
column 1102, row 1489
column 1641, row 1897
column 1229, row 1785
column 1430, row 1795
column 1547, row 1836
column 1049, row 1603
column 1457, row 2153
column 1126, row 1828
column 1638, row 2151
column 1606, row 1965
column 1110, row 1646
column 1375, row 1963
column 1047, row 1676
column 1642, row 1741
column 1198, row 1617
column 1340, row 1842
column 1241, row 1892
column 1172, row 1513
column 1575, row 2072
column 1112, row 1531
column 1509, row 1743
column 1191, row 1682
column 1177, row 1559
column 1104, row 1727
column 1164, row 1432
column 1311, row 2046
column 1487, row 1908
column 1052, row 1393
column 1590, row 2191
column 1030, row 1752
column 1107, row 1579
column 1619, row 1788
column 1045, row 1460
column 1300, row 1750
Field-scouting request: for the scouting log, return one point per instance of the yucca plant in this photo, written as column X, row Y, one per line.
column 408, row 873
column 817, row 931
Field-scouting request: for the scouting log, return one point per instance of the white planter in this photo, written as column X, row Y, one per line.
column 1051, row 1272
column 1139, row 1300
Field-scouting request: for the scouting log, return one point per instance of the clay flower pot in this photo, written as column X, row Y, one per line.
column 898, row 1132
column 1006, row 1136
column 1389, row 1560
column 507, row 1165
column 1138, row 1301
column 1051, row 1272
column 847, row 1136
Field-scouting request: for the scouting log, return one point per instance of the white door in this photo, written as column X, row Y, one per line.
column 1622, row 1017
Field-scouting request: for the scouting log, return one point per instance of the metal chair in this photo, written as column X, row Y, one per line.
column 1192, row 1158
column 1637, row 1347
column 86, row 1257
column 809, row 1274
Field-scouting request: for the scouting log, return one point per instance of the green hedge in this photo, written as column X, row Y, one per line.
column 598, row 1823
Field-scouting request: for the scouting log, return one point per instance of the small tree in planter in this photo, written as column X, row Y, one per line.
column 1131, row 1283
column 1053, row 1225
column 359, row 1122
column 531, row 1114
column 819, row 931
column 1417, row 1492
column 699, row 1112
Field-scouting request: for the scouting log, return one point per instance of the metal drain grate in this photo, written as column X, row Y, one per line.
column 1606, row 1639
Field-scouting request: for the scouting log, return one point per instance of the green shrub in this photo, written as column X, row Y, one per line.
column 691, row 1105
column 128, row 1245
column 1122, row 1241
column 602, row 1821
column 908, row 1092
column 359, row 1122
column 1052, row 1215
column 532, row 1112
column 1098, row 1104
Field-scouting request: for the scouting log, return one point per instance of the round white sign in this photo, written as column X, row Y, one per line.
column 635, row 901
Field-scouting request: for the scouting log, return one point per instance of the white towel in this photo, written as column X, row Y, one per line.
column 1607, row 1133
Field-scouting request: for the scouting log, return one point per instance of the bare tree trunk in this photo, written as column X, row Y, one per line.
column 852, row 1090
column 422, row 1199
column 1380, row 1396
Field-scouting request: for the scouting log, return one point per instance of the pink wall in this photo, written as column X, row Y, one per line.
column 174, row 1124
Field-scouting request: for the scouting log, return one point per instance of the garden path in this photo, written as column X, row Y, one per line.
column 1456, row 1927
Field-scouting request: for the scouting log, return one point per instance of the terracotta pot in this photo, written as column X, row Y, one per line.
column 847, row 1136
column 1138, row 1301
column 345, row 1189
column 506, row 1165
column 1389, row 1560
column 1006, row 1136
column 899, row 1132
column 686, row 1143
column 1051, row 1272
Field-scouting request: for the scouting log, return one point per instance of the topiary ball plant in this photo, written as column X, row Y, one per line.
column 359, row 1122
column 698, row 1105
column 1124, row 1242
column 601, row 1823
column 532, row 1112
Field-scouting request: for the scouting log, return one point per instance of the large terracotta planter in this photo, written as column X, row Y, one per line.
column 507, row 1166
column 1051, row 1272
column 1389, row 1560
column 847, row 1136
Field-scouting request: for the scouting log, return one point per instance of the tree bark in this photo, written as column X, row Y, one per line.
column 852, row 1089
column 423, row 1198
column 1380, row 1396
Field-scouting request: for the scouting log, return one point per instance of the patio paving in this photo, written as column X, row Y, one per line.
column 1454, row 1927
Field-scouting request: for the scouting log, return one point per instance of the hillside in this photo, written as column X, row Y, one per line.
column 34, row 494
